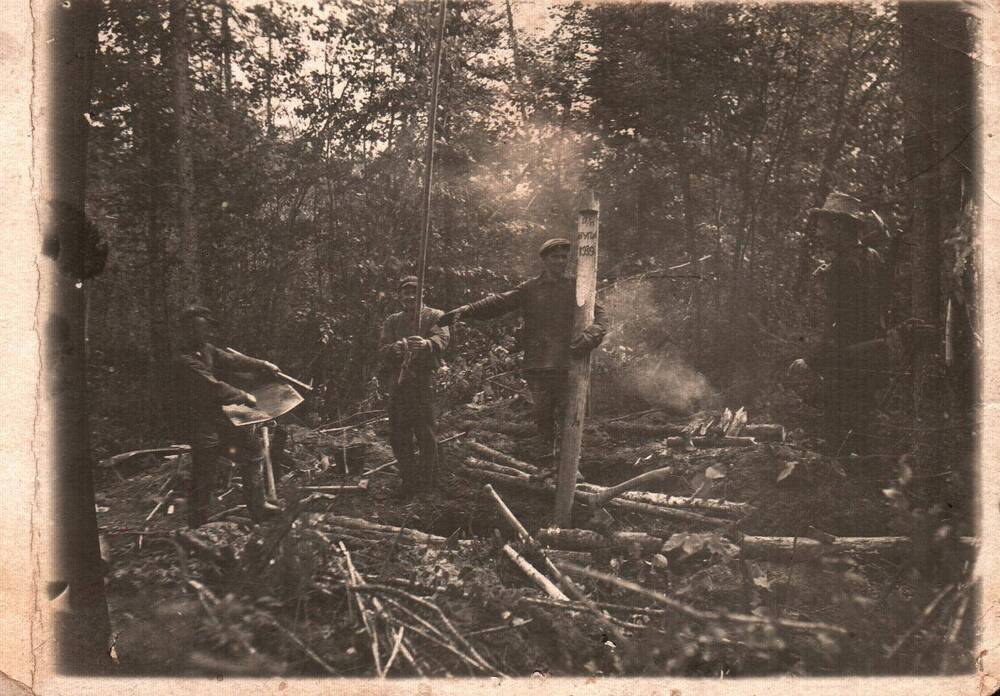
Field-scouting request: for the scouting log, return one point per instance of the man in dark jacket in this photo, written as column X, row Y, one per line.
column 211, row 434
column 547, row 304
column 409, row 355
column 850, row 355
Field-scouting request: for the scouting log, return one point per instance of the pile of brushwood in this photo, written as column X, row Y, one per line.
column 713, row 546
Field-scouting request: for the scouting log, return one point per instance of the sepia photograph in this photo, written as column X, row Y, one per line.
column 429, row 339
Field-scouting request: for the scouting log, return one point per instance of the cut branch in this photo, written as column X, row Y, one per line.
column 536, row 577
column 502, row 458
column 698, row 614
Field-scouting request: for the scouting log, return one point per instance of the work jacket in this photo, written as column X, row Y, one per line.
column 547, row 306
column 854, row 311
column 422, row 363
column 202, row 391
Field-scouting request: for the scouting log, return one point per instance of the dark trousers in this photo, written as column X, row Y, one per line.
column 237, row 444
column 548, row 393
column 849, row 401
column 411, row 421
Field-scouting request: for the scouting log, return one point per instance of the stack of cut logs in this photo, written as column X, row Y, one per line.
column 500, row 469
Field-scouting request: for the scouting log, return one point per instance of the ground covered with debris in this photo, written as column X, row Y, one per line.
column 743, row 551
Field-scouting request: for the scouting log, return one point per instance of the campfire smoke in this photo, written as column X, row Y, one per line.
column 667, row 382
column 648, row 365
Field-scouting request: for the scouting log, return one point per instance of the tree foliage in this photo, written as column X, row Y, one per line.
column 707, row 131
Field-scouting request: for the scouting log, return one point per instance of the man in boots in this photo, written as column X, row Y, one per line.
column 409, row 356
column 547, row 304
column 203, row 394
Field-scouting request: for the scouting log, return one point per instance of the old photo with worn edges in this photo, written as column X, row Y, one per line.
column 507, row 339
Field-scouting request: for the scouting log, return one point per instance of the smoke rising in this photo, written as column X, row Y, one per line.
column 666, row 382
column 643, row 346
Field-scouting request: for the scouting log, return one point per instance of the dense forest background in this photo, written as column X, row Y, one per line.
column 266, row 160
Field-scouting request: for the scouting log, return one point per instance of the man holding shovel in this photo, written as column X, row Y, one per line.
column 211, row 434
column 409, row 355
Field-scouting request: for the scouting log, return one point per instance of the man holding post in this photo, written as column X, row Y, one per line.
column 409, row 355
column 547, row 304
column 211, row 434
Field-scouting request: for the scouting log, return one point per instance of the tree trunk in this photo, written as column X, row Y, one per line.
column 188, row 284
column 691, row 236
column 227, row 50
column 83, row 631
column 518, row 69
column 157, row 287
column 268, row 87
column 938, row 96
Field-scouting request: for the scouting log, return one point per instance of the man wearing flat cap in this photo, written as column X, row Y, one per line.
column 547, row 304
column 854, row 320
column 203, row 394
column 408, row 356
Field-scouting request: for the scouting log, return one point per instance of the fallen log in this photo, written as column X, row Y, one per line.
column 665, row 500
column 470, row 467
column 320, row 519
column 787, row 549
column 373, row 537
column 540, row 580
column 658, row 511
column 499, row 457
column 583, row 496
column 571, row 539
column 564, row 555
column 497, row 468
column 710, row 442
column 764, row 432
column 589, row 540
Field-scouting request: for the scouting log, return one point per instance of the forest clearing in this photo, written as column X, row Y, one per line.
column 505, row 339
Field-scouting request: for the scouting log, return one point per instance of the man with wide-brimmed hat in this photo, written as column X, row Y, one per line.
column 203, row 393
column 851, row 375
column 547, row 304
column 409, row 355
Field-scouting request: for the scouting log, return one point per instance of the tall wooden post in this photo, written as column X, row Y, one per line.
column 578, row 382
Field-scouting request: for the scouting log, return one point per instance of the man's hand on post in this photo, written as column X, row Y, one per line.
column 449, row 318
column 249, row 399
column 588, row 339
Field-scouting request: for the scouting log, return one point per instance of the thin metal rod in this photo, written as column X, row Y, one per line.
column 429, row 166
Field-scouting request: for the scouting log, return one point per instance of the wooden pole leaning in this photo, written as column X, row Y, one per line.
column 578, row 380
column 432, row 110
column 272, row 489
